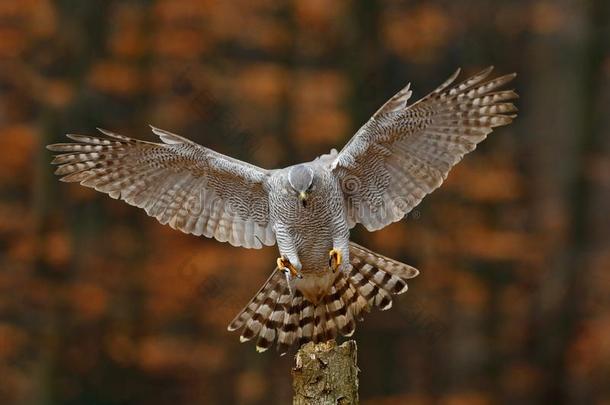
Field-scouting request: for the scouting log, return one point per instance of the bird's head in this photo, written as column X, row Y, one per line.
column 300, row 178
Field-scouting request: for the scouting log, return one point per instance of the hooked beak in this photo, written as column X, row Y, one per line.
column 303, row 196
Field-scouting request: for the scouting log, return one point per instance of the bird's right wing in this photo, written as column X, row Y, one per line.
column 180, row 183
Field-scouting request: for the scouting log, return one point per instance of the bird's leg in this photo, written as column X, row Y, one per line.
column 284, row 265
column 334, row 259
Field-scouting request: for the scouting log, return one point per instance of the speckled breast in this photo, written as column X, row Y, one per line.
column 312, row 226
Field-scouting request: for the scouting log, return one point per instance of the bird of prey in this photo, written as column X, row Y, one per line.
column 323, row 283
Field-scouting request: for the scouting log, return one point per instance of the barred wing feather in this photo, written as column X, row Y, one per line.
column 179, row 182
column 405, row 152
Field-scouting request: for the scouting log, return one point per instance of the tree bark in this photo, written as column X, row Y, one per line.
column 326, row 374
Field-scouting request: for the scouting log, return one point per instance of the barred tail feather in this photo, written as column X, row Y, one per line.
column 306, row 322
column 337, row 308
column 319, row 334
column 275, row 313
column 246, row 313
column 289, row 330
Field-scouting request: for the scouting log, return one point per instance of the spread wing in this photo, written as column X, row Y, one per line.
column 405, row 152
column 179, row 182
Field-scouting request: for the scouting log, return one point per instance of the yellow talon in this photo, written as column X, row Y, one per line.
column 334, row 260
column 283, row 264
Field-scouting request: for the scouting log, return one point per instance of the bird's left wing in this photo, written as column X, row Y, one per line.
column 404, row 152
column 180, row 183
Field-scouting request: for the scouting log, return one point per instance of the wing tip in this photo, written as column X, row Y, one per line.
column 104, row 131
column 454, row 76
column 168, row 137
column 59, row 146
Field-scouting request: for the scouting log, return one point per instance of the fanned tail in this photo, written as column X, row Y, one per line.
column 274, row 314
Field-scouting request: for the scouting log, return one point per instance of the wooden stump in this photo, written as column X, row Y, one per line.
column 326, row 374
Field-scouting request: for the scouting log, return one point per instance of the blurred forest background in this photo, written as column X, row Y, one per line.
column 99, row 304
